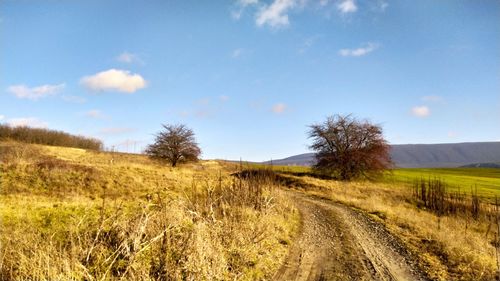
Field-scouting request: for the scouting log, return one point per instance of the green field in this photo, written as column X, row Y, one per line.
column 487, row 180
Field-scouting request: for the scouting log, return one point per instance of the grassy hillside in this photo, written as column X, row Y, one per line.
column 74, row 214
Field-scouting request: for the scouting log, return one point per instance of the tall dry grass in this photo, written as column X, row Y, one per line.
column 191, row 223
column 450, row 247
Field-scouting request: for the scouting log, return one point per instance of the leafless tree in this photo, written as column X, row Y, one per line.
column 175, row 144
column 348, row 148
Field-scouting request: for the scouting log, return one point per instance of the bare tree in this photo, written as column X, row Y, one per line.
column 348, row 148
column 175, row 144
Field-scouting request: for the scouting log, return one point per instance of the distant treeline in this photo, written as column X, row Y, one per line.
column 48, row 137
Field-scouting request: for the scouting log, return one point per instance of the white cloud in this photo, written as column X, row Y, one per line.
column 275, row 15
column 361, row 51
column 452, row 134
column 115, row 131
column 114, row 80
column 94, row 113
column 27, row 122
column 421, row 111
column 127, row 57
column 279, row 108
column 245, row 3
column 347, row 6
column 35, row 93
column 2, row 117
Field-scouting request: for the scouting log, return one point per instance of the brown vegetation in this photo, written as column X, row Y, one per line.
column 348, row 148
column 71, row 214
column 47, row 137
column 449, row 246
column 176, row 144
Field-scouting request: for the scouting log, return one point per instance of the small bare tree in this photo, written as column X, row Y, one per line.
column 348, row 148
column 175, row 144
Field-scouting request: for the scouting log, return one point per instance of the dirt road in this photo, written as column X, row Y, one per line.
column 337, row 242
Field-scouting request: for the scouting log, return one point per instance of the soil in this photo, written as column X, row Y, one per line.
column 337, row 242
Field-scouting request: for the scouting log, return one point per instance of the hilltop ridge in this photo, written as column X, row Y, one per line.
column 426, row 155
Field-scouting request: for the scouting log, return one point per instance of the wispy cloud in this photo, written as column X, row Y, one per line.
column 203, row 101
column 94, row 113
column 421, row 111
column 279, row 108
column 236, row 53
column 127, row 57
column 27, row 122
column 2, row 117
column 347, row 6
column 361, row 51
column 73, row 99
column 323, row 2
column 308, row 43
column 35, row 93
column 276, row 14
column 115, row 131
column 452, row 134
column 241, row 5
column 247, row 2
column 204, row 108
column 114, row 80
column 432, row 98
column 382, row 5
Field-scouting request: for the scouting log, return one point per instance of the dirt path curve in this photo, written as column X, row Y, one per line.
column 337, row 242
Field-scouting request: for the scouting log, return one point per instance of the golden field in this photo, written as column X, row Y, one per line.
column 74, row 214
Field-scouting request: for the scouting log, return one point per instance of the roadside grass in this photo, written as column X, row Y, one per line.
column 277, row 168
column 449, row 247
column 73, row 214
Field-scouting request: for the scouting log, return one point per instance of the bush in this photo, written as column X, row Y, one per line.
column 48, row 137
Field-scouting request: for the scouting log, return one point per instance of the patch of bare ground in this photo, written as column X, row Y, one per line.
column 337, row 242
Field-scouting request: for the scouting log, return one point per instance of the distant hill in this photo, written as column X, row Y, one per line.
column 482, row 165
column 473, row 154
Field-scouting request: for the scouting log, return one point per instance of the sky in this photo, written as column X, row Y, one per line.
column 249, row 76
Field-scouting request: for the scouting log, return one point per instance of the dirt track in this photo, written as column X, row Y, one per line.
column 337, row 242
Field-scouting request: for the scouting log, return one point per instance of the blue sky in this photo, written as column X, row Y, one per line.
column 248, row 76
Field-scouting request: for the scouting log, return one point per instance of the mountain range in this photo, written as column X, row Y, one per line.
column 470, row 154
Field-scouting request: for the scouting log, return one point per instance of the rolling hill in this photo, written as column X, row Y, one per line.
column 475, row 154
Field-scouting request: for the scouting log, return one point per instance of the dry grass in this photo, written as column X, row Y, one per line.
column 71, row 214
column 450, row 247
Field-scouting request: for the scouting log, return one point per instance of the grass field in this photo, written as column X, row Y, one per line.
column 450, row 247
column 75, row 214
column 487, row 180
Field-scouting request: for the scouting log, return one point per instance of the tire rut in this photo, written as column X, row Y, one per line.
column 339, row 243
